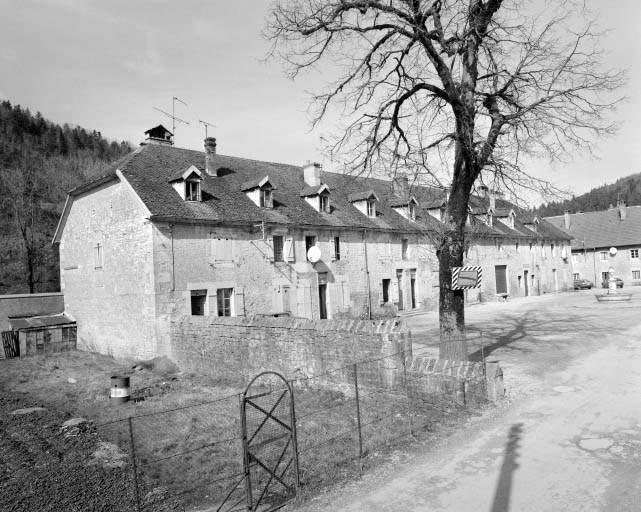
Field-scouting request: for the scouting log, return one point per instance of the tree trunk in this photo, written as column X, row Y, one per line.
column 453, row 345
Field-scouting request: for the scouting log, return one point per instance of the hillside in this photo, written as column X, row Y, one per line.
column 627, row 189
column 40, row 161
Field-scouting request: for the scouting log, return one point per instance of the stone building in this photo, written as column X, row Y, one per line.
column 604, row 240
column 171, row 232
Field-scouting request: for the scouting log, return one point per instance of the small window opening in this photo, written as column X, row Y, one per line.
column 278, row 248
column 198, row 302
column 223, row 299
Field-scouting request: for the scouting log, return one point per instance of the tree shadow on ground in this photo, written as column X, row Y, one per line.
column 503, row 490
column 513, row 330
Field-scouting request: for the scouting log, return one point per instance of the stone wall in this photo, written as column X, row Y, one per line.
column 326, row 354
column 239, row 348
column 29, row 305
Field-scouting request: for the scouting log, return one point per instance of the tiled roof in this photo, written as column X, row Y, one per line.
column 402, row 201
column 256, row 183
column 602, row 229
column 150, row 167
column 314, row 191
column 362, row 195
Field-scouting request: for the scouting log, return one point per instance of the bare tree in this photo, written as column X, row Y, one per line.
column 453, row 92
column 22, row 190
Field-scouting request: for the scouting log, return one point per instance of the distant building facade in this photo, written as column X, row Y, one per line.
column 603, row 241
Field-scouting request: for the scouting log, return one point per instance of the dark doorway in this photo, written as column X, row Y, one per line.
column 386, row 285
column 526, row 283
column 500, row 272
column 322, row 295
column 413, row 287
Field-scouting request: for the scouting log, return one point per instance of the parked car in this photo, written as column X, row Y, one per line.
column 583, row 284
column 617, row 279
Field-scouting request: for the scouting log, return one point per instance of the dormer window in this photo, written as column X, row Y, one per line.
column 192, row 190
column 323, row 202
column 365, row 202
column 317, row 197
column 260, row 192
column 266, row 198
column 405, row 206
column 188, row 183
column 371, row 208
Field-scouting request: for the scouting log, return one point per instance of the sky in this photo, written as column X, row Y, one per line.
column 106, row 65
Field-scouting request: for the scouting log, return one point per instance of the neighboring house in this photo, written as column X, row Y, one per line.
column 604, row 240
column 172, row 232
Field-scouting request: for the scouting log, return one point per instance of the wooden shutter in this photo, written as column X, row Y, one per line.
column 332, row 248
column 394, row 297
column 347, row 303
column 335, row 298
column 239, row 298
column 501, row 278
column 289, row 249
column 270, row 249
column 380, row 292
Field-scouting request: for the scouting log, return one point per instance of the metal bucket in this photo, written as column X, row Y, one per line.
column 119, row 390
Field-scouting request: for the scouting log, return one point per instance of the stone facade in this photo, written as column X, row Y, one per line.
column 107, row 273
column 137, row 255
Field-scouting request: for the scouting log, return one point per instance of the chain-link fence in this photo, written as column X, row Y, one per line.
column 192, row 457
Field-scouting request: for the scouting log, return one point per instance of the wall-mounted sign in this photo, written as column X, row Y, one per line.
column 464, row 278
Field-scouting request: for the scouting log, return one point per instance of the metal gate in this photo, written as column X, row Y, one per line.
column 10, row 343
column 269, row 442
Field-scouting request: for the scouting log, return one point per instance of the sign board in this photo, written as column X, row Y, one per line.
column 464, row 278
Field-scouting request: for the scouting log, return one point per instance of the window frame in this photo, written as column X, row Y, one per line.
column 636, row 275
column 405, row 243
column 634, row 254
column 192, row 186
column 337, row 248
column 279, row 248
column 225, row 304
column 308, row 246
column 603, row 255
column 370, row 206
column 323, row 203
column 266, row 198
column 200, row 295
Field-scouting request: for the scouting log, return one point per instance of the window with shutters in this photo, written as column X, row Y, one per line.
column 224, row 301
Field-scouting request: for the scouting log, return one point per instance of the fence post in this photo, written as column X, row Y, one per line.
column 133, row 458
column 358, row 413
column 407, row 394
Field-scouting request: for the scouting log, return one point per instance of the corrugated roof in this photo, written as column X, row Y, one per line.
column 602, row 229
column 35, row 322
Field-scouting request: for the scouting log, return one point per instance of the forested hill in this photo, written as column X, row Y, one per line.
column 40, row 161
column 627, row 189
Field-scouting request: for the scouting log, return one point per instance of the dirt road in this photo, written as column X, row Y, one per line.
column 570, row 438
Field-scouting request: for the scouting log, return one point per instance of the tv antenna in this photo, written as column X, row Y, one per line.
column 206, row 125
column 172, row 116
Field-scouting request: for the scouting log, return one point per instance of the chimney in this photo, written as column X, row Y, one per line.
column 622, row 209
column 210, row 153
column 566, row 219
column 312, row 174
column 401, row 185
column 492, row 195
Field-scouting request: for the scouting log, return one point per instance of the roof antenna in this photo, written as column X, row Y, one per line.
column 206, row 125
column 172, row 116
